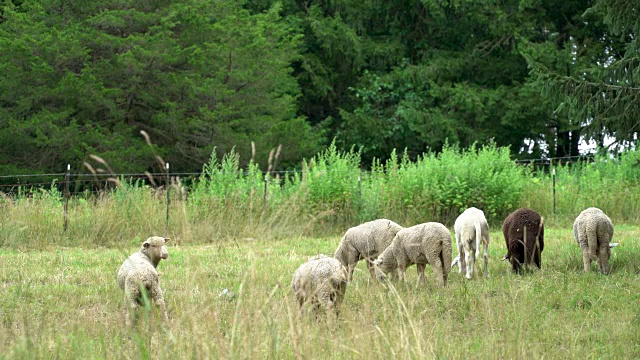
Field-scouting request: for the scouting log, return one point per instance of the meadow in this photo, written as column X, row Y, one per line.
column 65, row 303
column 245, row 231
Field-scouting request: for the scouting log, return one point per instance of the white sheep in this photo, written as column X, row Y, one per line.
column 593, row 231
column 320, row 282
column 365, row 241
column 428, row 243
column 471, row 231
column 138, row 272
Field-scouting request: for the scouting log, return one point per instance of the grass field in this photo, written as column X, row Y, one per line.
column 65, row 303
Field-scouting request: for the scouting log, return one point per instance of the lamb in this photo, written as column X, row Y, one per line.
column 593, row 231
column 138, row 272
column 428, row 243
column 519, row 223
column 320, row 282
column 365, row 241
column 471, row 230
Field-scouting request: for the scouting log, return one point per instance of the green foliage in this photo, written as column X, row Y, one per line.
column 608, row 183
column 442, row 186
column 86, row 80
column 331, row 180
column 599, row 88
column 222, row 178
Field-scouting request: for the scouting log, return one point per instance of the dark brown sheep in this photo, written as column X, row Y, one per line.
column 515, row 226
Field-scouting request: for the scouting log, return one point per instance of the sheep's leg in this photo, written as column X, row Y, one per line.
column 300, row 297
column 372, row 270
column 401, row 273
column 131, row 310
column 438, row 270
column 515, row 264
column 158, row 298
column 325, row 298
column 537, row 255
column 420, row 268
column 470, row 259
column 586, row 259
column 339, row 296
column 603, row 258
column 132, row 305
column 352, row 267
column 486, row 258
column 478, row 242
column 461, row 263
column 394, row 274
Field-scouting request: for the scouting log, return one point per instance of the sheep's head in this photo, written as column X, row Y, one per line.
column 155, row 249
column 382, row 267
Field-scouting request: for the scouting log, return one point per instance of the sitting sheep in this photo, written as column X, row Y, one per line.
column 428, row 243
column 320, row 282
column 365, row 241
column 138, row 271
column 471, row 231
column 515, row 226
column 593, row 231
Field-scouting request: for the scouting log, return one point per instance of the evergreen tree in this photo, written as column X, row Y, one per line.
column 602, row 92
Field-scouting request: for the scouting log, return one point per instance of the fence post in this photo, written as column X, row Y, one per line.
column 66, row 198
column 553, row 177
column 359, row 195
column 166, row 226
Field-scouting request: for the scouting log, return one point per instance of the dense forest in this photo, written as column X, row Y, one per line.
column 536, row 76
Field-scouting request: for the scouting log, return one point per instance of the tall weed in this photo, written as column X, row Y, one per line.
column 610, row 184
column 329, row 194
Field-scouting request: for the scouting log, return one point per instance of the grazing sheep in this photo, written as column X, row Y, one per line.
column 365, row 241
column 320, row 282
column 428, row 243
column 471, row 230
column 139, row 271
column 593, row 231
column 515, row 226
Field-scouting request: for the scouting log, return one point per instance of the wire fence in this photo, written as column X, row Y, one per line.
column 10, row 183
column 95, row 183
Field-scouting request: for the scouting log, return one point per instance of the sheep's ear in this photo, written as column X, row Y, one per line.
column 506, row 257
column 145, row 245
column 166, row 240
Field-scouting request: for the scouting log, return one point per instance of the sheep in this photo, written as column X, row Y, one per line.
column 428, row 243
column 593, row 231
column 320, row 282
column 471, row 230
column 520, row 223
column 138, row 272
column 365, row 241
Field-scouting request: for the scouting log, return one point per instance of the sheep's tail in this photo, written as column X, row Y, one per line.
column 445, row 257
column 537, row 239
column 592, row 239
column 478, row 237
column 540, row 226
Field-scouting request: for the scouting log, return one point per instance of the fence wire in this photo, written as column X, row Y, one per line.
column 100, row 183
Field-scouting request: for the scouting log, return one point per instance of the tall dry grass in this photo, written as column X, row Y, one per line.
column 65, row 303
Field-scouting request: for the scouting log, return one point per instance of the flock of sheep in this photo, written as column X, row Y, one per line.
column 389, row 249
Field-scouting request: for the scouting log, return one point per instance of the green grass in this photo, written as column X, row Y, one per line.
column 65, row 303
